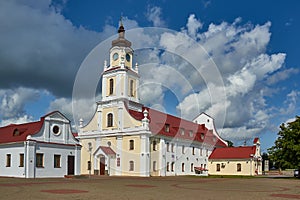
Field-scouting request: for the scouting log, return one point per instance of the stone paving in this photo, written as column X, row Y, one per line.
column 187, row 187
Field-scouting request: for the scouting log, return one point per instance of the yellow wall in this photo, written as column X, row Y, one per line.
column 129, row 121
column 230, row 167
column 92, row 125
column 131, row 155
column 85, row 156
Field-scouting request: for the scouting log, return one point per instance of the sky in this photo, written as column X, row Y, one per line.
column 254, row 46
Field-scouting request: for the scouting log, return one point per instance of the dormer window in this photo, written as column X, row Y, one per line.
column 202, row 136
column 191, row 133
column 182, row 131
column 16, row 132
column 167, row 128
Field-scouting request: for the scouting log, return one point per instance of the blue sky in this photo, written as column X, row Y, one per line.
column 255, row 45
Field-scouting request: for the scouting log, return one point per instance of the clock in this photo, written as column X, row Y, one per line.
column 115, row 56
column 128, row 57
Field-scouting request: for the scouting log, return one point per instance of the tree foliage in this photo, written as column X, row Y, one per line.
column 286, row 151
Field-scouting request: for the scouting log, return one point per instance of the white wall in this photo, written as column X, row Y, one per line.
column 14, row 170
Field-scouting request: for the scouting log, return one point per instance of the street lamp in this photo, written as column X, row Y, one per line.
column 90, row 162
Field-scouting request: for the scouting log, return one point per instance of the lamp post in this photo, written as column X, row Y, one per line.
column 90, row 162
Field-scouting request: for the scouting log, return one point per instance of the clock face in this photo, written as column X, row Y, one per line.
column 115, row 56
column 128, row 57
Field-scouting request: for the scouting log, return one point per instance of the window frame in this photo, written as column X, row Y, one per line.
column 39, row 160
column 110, row 120
column 21, row 156
column 238, row 167
column 111, row 86
column 8, row 160
column 57, row 161
column 131, row 165
column 131, row 144
column 218, row 167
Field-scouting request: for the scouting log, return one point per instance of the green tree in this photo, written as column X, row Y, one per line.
column 286, row 151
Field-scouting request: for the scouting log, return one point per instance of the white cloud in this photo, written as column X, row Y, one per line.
column 193, row 25
column 16, row 120
column 13, row 101
column 154, row 15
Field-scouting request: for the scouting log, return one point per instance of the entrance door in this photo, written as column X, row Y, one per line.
column 102, row 165
column 71, row 162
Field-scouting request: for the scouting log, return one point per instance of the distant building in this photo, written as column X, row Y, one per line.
column 244, row 160
column 125, row 138
column 44, row 148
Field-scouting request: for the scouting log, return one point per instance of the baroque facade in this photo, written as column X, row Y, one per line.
column 125, row 138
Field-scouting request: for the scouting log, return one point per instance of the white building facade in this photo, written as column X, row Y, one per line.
column 46, row 148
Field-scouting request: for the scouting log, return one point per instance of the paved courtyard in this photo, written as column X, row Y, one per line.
column 149, row 188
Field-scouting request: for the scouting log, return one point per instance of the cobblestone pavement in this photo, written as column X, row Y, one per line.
column 149, row 188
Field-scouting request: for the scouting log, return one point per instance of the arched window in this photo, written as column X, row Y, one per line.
column 110, row 119
column 131, row 91
column 192, row 167
column 182, row 167
column 168, row 166
column 111, row 86
column 131, row 144
column 131, row 165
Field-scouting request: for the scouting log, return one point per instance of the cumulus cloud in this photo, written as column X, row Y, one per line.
column 40, row 47
column 193, row 25
column 154, row 15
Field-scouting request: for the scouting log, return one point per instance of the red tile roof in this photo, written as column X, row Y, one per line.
column 107, row 150
column 7, row 132
column 233, row 152
column 159, row 119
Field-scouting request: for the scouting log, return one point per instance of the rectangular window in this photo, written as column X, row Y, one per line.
column 168, row 147
column 39, row 160
column 172, row 166
column 57, row 161
column 182, row 149
column 218, row 167
column 167, row 128
column 131, row 144
column 182, row 167
column 21, row 160
column 172, row 147
column 154, row 166
column 192, row 167
column 8, row 160
column 154, row 145
column 239, row 167
column 200, row 151
column 168, row 166
column 193, row 150
column 131, row 166
column 118, row 162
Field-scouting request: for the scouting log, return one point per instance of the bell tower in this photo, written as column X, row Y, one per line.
column 120, row 78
